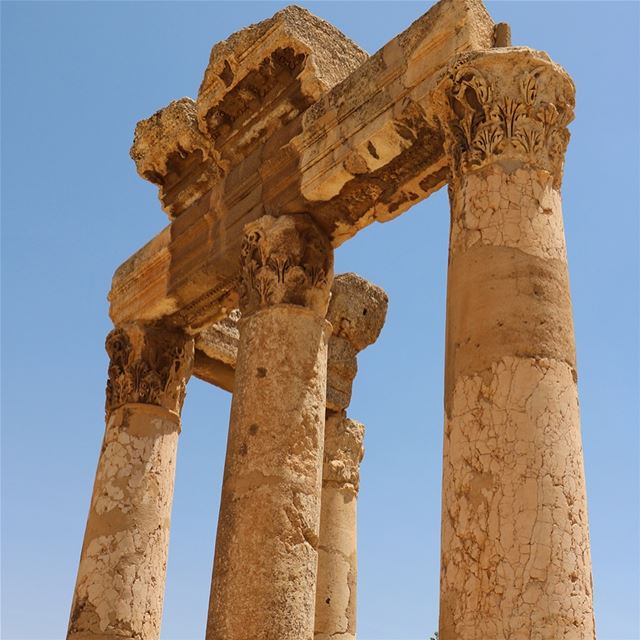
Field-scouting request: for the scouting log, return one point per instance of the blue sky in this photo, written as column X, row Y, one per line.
column 76, row 77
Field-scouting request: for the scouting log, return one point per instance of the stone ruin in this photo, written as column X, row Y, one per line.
column 296, row 141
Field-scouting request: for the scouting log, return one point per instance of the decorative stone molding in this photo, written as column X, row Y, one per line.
column 503, row 105
column 285, row 260
column 343, row 451
column 262, row 77
column 167, row 147
column 148, row 365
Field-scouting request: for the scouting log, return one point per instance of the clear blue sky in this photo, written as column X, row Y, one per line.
column 75, row 79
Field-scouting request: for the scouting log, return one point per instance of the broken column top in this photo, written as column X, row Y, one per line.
column 357, row 310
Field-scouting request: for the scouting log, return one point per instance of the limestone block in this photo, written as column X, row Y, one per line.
column 219, row 341
column 342, row 367
column 265, row 75
column 357, row 310
column 170, row 151
column 335, row 615
column 367, row 149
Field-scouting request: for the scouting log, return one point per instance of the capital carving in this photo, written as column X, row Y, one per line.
column 285, row 260
column 148, row 365
column 503, row 105
column 343, row 451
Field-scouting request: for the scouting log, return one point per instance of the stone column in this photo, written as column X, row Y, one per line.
column 120, row 585
column 515, row 561
column 264, row 573
column 337, row 562
column 357, row 312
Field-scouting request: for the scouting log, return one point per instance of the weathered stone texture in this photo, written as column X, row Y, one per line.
column 219, row 341
column 367, row 149
column 357, row 311
column 120, row 585
column 342, row 367
column 148, row 365
column 335, row 614
column 293, row 117
column 266, row 549
column 515, row 551
column 264, row 76
column 285, row 260
column 166, row 147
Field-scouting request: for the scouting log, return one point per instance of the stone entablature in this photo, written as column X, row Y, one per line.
column 367, row 149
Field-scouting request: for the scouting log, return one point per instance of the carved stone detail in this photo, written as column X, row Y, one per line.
column 148, row 365
column 285, row 260
column 507, row 104
column 357, row 310
column 343, row 451
column 170, row 151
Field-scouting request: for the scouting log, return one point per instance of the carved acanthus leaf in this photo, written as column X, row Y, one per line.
column 147, row 365
column 513, row 104
column 285, row 260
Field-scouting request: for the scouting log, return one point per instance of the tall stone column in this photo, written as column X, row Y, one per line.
column 337, row 561
column 357, row 312
column 515, row 561
column 120, row 586
column 264, row 573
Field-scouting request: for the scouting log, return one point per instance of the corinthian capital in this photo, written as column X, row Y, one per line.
column 506, row 105
column 285, row 260
column 148, row 365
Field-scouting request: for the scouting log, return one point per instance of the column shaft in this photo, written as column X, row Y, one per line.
column 515, row 549
column 120, row 585
column 337, row 559
column 264, row 574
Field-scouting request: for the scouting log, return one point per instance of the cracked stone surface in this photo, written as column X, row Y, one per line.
column 266, row 556
column 515, row 562
column 337, row 561
column 120, row 585
column 519, row 209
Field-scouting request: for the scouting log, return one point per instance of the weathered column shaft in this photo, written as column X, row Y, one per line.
column 357, row 312
column 337, row 562
column 120, row 585
column 265, row 562
column 515, row 547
